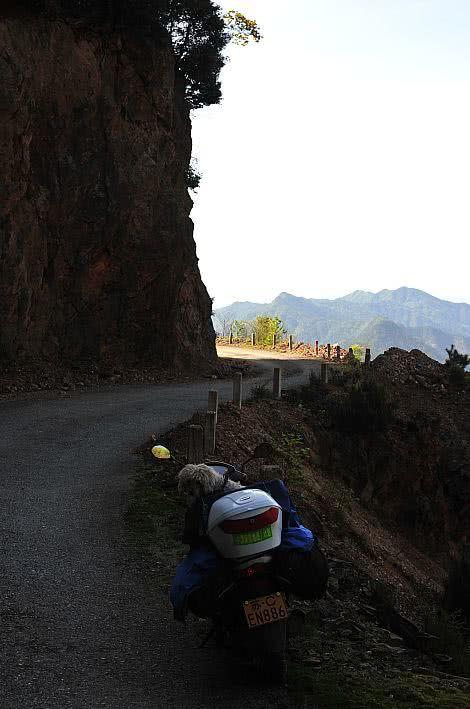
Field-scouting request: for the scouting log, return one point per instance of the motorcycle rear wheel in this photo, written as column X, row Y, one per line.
column 273, row 666
column 269, row 650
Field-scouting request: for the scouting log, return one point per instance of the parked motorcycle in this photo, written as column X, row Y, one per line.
column 250, row 610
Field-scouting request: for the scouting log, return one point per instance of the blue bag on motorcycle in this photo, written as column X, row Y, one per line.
column 299, row 559
column 201, row 567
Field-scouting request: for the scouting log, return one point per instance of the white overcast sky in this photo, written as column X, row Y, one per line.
column 339, row 158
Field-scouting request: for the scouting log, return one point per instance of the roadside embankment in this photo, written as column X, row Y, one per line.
column 379, row 638
column 41, row 376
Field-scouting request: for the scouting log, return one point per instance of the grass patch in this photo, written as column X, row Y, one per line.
column 404, row 691
column 155, row 519
column 343, row 684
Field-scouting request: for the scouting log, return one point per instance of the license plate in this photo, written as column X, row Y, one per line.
column 266, row 609
column 260, row 535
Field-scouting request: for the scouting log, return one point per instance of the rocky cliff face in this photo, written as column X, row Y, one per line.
column 97, row 257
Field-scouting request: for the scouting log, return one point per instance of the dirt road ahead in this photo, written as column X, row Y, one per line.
column 81, row 627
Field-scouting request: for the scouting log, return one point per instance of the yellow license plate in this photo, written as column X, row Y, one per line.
column 265, row 609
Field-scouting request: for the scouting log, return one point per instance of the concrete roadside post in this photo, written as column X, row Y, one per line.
column 277, row 383
column 324, row 373
column 367, row 357
column 291, row 342
column 316, row 348
column 213, row 402
column 196, row 444
column 210, row 432
column 237, row 389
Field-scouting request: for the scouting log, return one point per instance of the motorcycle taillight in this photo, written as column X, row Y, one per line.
column 253, row 570
column 250, row 524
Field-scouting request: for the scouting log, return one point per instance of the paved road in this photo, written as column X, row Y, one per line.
column 80, row 626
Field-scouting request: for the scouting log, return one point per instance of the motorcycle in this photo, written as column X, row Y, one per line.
column 250, row 609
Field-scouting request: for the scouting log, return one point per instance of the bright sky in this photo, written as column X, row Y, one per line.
column 340, row 156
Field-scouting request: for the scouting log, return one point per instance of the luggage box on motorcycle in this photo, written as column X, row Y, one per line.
column 245, row 523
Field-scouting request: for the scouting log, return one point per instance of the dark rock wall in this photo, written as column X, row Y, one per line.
column 97, row 257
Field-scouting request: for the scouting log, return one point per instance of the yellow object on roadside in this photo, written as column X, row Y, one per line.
column 161, row 452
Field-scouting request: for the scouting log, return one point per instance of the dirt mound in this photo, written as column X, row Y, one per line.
column 412, row 465
column 402, row 367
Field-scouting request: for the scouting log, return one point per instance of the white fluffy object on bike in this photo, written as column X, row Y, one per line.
column 197, row 480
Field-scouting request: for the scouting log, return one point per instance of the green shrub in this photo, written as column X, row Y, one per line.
column 457, row 376
column 367, row 407
column 258, row 392
column 456, row 359
column 451, row 639
column 296, row 453
column 456, row 364
column 359, row 352
column 263, row 326
column 242, row 329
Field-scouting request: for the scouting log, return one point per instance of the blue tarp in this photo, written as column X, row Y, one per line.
column 298, row 537
column 197, row 569
column 203, row 563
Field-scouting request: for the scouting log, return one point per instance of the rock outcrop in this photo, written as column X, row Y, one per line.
column 97, row 257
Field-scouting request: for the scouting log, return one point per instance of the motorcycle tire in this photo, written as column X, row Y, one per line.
column 273, row 666
column 269, row 650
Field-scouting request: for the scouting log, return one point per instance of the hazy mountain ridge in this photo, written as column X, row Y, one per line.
column 406, row 318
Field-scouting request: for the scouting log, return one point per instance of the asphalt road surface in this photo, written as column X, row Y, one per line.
column 80, row 625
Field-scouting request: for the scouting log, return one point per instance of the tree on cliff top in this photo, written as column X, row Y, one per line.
column 199, row 36
column 456, row 364
column 198, row 29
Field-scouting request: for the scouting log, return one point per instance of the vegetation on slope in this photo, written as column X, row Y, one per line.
column 348, row 655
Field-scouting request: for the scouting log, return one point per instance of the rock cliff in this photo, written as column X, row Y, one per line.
column 97, row 257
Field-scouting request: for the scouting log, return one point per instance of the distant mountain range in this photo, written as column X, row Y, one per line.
column 406, row 318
